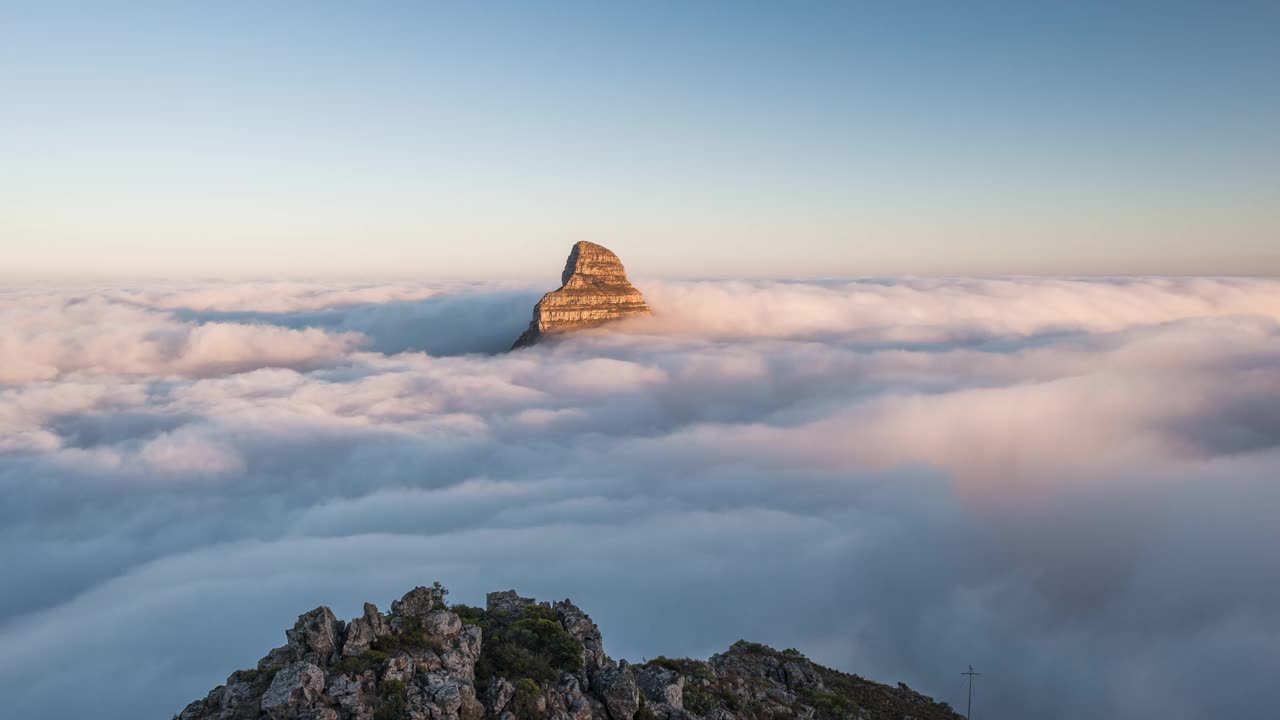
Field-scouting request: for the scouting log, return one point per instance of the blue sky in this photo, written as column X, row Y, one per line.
column 481, row 139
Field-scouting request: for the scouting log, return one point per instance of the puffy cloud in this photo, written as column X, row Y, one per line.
column 1047, row 478
column 48, row 336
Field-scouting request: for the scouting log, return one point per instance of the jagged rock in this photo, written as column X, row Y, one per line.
column 586, row 632
column 498, row 695
column 399, row 668
column 568, row 702
column 507, row 601
column 421, row 661
column 316, row 635
column 364, row 631
column 794, row 675
column 278, row 657
column 296, row 686
column 661, row 686
column 456, row 645
column 443, row 699
column 348, row 693
column 618, row 690
column 236, row 695
column 593, row 290
column 417, row 602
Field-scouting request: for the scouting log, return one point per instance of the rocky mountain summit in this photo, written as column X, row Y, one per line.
column 593, row 289
column 518, row 659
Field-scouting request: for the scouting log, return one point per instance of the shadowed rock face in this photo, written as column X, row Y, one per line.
column 594, row 289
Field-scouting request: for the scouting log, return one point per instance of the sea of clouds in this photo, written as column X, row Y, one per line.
column 1072, row 484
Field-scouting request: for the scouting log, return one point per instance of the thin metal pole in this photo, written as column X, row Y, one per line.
column 968, row 711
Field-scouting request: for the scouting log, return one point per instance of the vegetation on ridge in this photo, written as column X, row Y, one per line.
column 518, row 658
column 532, row 644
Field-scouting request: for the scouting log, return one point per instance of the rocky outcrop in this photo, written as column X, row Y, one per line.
column 518, row 659
column 593, row 290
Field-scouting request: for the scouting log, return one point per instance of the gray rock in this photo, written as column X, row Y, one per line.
column 580, row 626
column 418, row 602
column 193, row 711
column 316, row 636
column 297, row 685
column 801, row 675
column 278, row 657
column 507, row 601
column 363, row 631
column 238, row 694
column 399, row 668
column 443, row 624
column 445, row 700
column 617, row 688
column 323, row 673
column 498, row 695
column 661, row 686
column 348, row 693
column 568, row 702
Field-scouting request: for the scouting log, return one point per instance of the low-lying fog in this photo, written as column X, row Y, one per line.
column 1073, row 485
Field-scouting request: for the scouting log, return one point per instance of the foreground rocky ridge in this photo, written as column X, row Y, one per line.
column 522, row 660
column 593, row 289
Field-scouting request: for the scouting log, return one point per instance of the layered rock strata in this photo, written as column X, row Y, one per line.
column 518, row 659
column 593, row 290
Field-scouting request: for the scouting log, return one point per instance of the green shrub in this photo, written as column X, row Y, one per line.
column 828, row 706
column 393, row 701
column 696, row 669
column 751, row 647
column 524, row 702
column 531, row 645
column 366, row 660
column 697, row 700
column 412, row 635
column 440, row 591
column 266, row 676
column 470, row 614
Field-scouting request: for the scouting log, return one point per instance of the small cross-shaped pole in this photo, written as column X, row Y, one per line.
column 969, row 708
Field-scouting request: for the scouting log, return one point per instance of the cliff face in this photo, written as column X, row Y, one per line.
column 522, row 660
column 594, row 289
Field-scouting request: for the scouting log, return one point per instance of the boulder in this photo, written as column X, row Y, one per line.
column 617, row 688
column 316, row 636
column 497, row 696
column 293, row 688
column 417, row 602
column 661, row 686
column 507, row 601
column 364, row 630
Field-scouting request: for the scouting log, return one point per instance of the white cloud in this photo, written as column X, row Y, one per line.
column 1046, row 478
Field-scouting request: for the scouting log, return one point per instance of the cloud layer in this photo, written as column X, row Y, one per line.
column 1070, row 484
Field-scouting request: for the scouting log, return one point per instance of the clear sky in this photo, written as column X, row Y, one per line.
column 481, row 139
